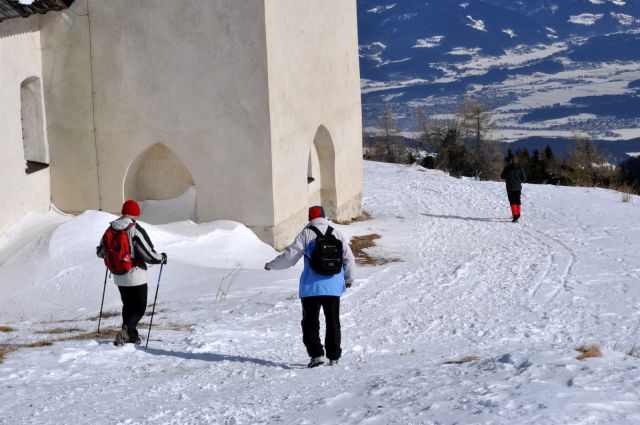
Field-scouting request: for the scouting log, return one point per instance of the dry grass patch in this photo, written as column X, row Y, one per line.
column 7, row 329
column 179, row 326
column 41, row 343
column 466, row 359
column 588, row 351
column 6, row 350
column 105, row 332
column 365, row 216
column 634, row 351
column 106, row 315
column 358, row 245
column 59, row 330
column 158, row 311
column 166, row 327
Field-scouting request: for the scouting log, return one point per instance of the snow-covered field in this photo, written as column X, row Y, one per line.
column 519, row 297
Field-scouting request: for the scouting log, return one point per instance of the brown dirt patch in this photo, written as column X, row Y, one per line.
column 365, row 216
column 7, row 329
column 358, row 246
column 466, row 359
column 588, row 351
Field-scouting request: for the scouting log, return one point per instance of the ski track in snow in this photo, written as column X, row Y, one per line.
column 521, row 297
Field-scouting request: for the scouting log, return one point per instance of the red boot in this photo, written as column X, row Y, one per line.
column 516, row 215
column 514, row 212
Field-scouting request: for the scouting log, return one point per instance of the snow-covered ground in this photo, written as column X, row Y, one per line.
column 519, row 297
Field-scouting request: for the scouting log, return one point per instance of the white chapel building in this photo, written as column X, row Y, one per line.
column 253, row 106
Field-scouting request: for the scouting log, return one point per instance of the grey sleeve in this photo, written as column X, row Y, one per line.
column 291, row 254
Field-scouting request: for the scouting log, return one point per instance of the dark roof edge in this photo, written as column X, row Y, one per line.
column 10, row 9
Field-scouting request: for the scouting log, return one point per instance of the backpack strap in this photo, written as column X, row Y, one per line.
column 315, row 230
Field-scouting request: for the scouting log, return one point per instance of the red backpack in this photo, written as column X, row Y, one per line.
column 117, row 250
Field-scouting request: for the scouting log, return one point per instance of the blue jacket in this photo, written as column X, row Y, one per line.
column 311, row 283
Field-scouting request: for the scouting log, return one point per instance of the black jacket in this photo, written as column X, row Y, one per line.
column 514, row 176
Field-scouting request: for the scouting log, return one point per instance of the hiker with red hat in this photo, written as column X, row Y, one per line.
column 328, row 270
column 127, row 249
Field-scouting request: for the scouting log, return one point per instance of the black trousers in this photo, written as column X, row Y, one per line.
column 311, row 326
column 134, row 304
column 514, row 197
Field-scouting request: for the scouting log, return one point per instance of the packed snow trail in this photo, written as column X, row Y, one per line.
column 519, row 297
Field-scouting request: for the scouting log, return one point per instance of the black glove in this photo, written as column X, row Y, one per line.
column 164, row 258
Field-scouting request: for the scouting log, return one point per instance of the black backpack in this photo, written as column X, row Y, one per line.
column 326, row 257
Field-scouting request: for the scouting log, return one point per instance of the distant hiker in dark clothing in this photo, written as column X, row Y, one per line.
column 514, row 176
column 318, row 289
column 127, row 249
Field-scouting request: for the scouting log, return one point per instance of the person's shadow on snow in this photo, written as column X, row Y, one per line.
column 457, row 217
column 212, row 357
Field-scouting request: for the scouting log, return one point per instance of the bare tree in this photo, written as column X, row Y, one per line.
column 588, row 166
column 475, row 121
column 443, row 136
column 387, row 122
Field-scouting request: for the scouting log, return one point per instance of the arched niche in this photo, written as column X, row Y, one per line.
column 321, row 175
column 157, row 174
column 36, row 152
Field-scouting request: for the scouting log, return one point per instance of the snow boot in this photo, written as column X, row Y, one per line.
column 333, row 362
column 122, row 337
column 315, row 362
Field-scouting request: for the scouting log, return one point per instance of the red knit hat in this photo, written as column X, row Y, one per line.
column 315, row 212
column 131, row 208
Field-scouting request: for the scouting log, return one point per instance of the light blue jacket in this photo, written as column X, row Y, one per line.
column 311, row 283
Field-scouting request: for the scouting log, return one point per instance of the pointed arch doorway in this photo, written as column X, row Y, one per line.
column 321, row 173
column 162, row 184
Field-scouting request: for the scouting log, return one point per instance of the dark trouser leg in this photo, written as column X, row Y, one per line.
column 134, row 304
column 311, row 326
column 514, row 197
column 331, row 308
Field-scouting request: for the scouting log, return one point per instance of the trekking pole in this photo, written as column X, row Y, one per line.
column 154, row 306
column 106, row 273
